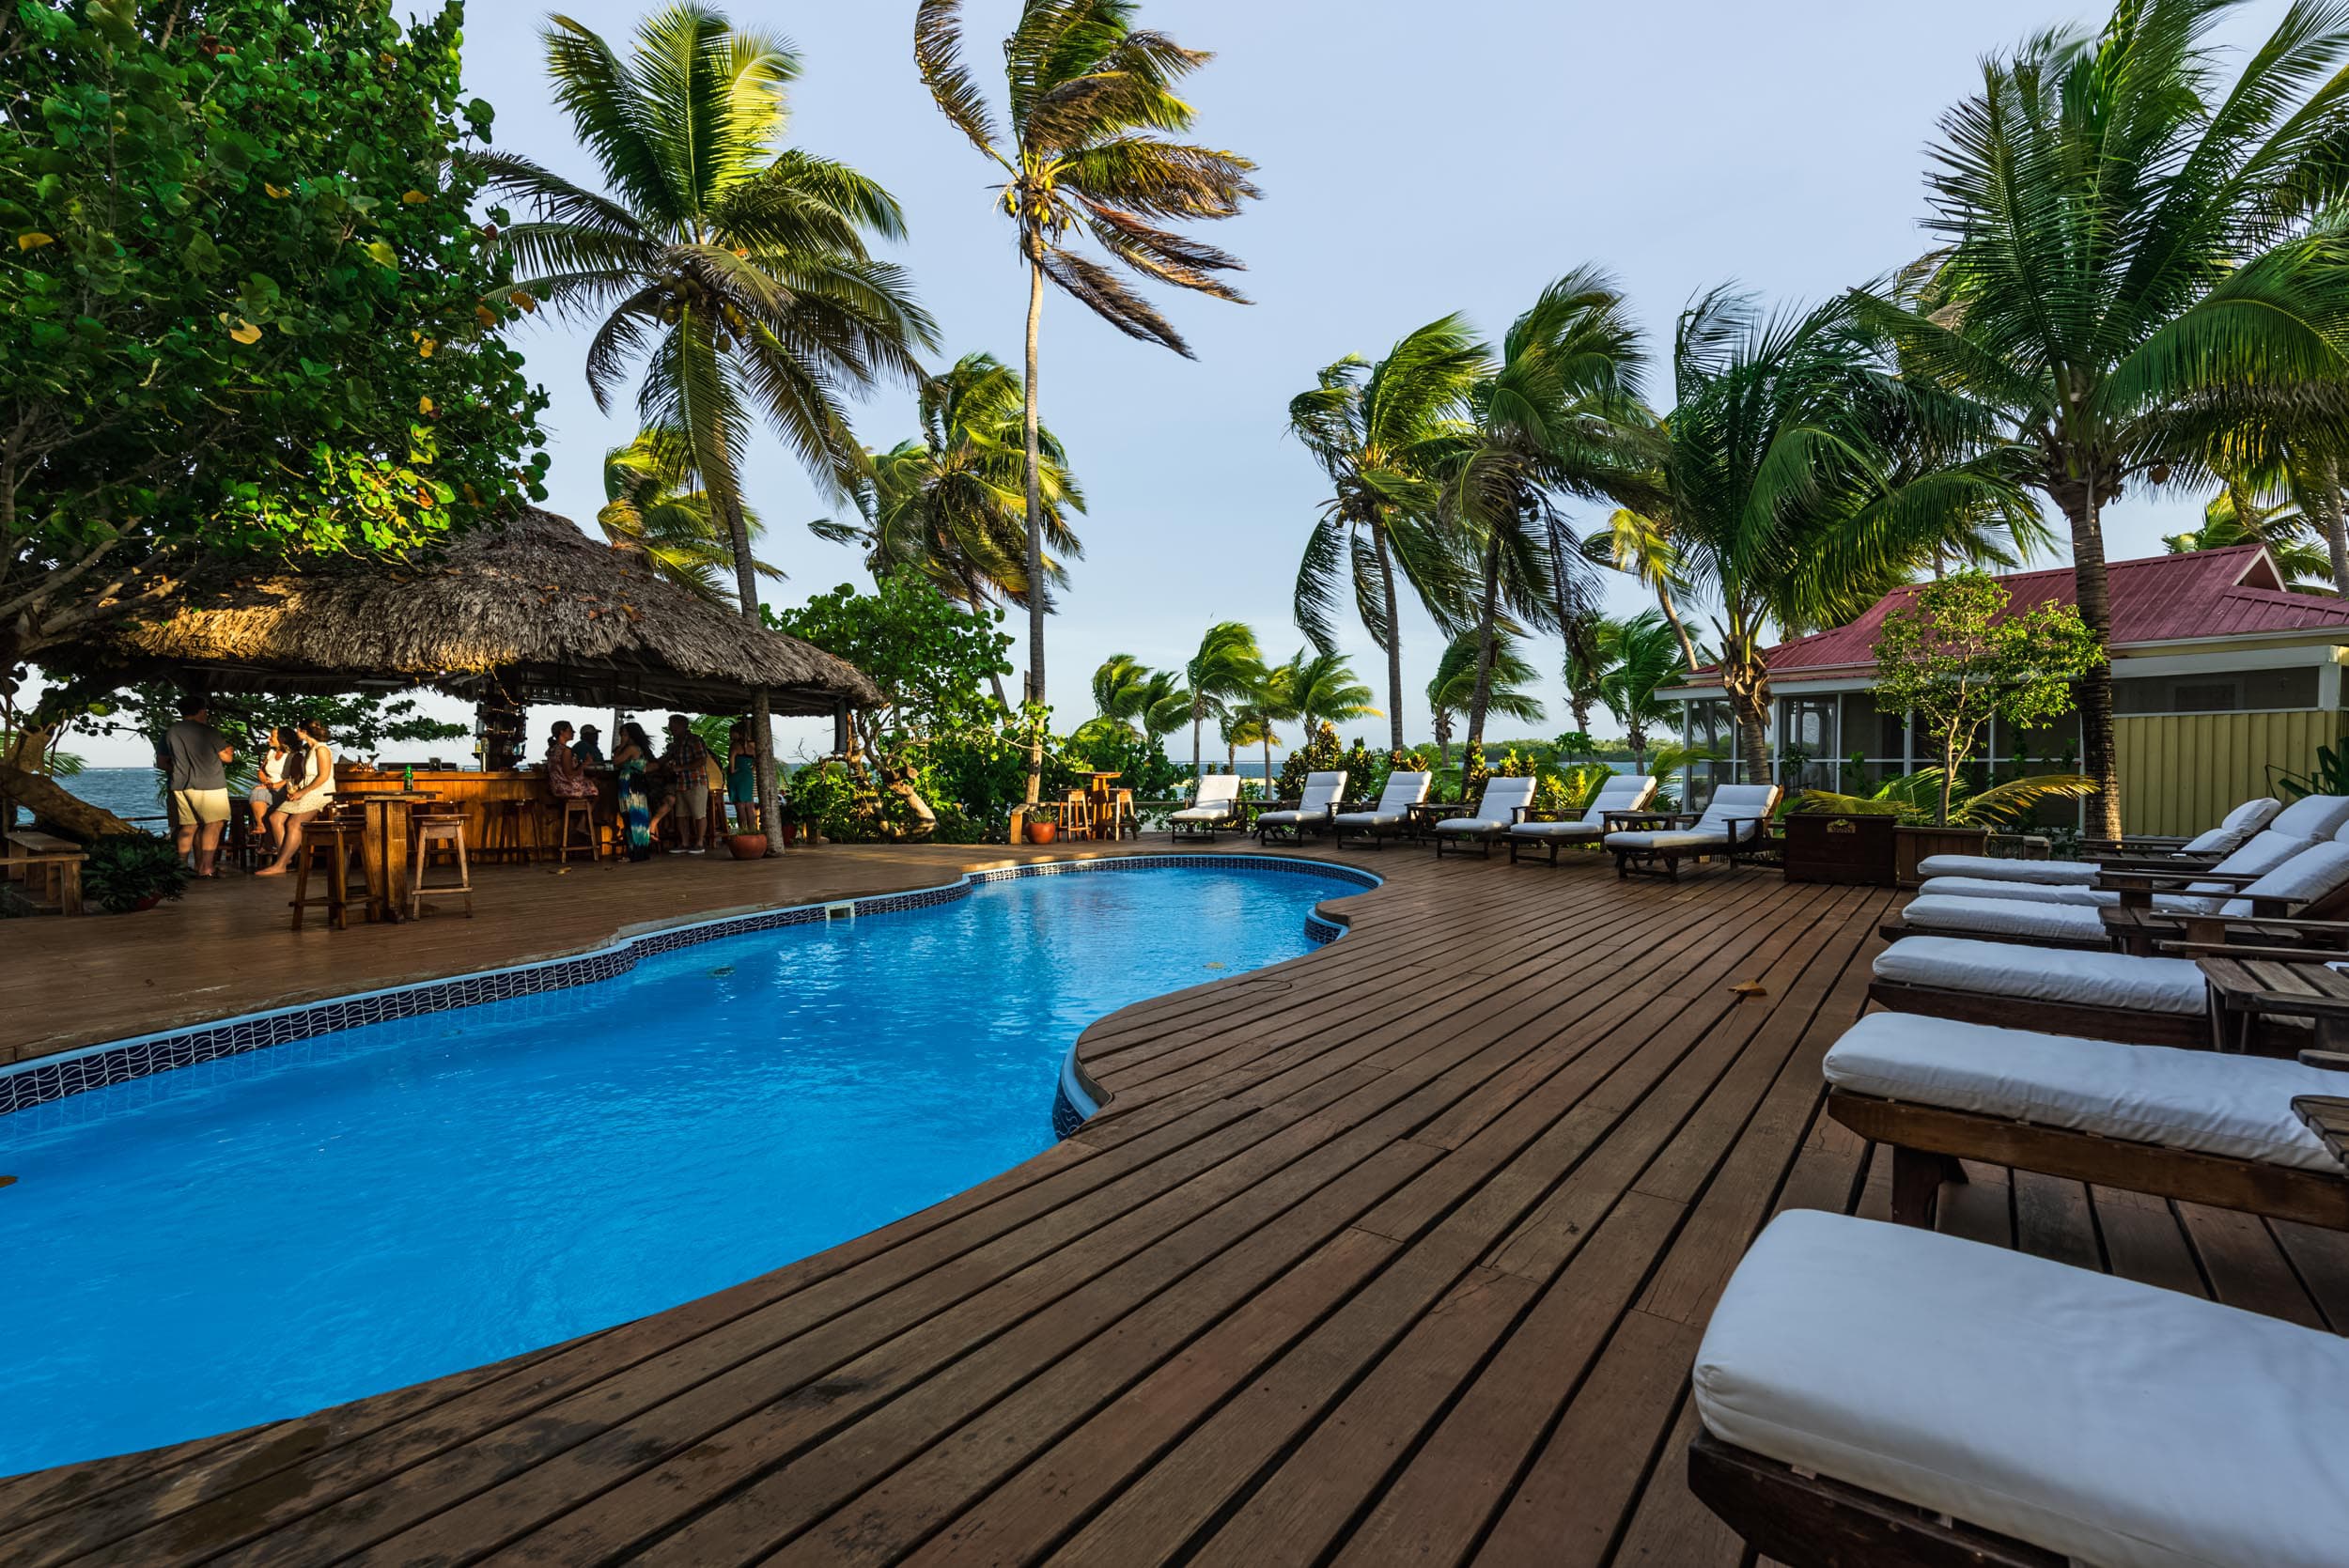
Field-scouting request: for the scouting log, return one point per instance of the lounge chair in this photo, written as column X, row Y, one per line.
column 1390, row 816
column 1314, row 811
column 1736, row 815
column 1875, row 1394
column 1503, row 806
column 1214, row 804
column 1625, row 792
column 2312, row 884
column 2230, row 834
column 2310, row 821
column 2188, row 1125
column 2101, row 996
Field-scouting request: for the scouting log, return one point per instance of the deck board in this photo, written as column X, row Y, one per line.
column 1396, row 1253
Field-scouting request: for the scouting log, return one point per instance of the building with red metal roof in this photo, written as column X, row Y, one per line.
column 2222, row 679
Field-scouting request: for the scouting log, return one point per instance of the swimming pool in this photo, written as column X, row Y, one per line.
column 264, row 1234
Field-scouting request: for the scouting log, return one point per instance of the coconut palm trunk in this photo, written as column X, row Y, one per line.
column 2335, row 518
column 1395, row 638
column 1485, row 644
column 1036, row 598
column 2094, row 591
column 762, row 717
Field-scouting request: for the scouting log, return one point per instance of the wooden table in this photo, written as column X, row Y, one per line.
column 384, row 846
column 1101, row 802
column 2244, row 990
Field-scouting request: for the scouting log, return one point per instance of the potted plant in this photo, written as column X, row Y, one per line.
column 1040, row 830
column 126, row 872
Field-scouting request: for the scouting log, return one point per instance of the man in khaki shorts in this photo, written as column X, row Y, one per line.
column 198, row 757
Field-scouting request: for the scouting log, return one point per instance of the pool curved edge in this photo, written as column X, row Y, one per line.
column 45, row 1080
column 1077, row 1099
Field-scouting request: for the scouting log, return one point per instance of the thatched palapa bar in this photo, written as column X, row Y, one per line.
column 527, row 611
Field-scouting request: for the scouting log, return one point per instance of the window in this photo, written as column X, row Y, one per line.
column 2216, row 692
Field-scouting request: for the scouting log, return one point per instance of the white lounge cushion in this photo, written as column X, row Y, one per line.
column 2046, row 974
column 1203, row 813
column 2311, row 817
column 2265, row 852
column 1370, row 819
column 2113, row 1422
column 2005, row 917
column 1681, row 840
column 2082, row 898
column 1293, row 819
column 2236, row 828
column 1622, row 792
column 2236, row 1105
column 1578, row 829
column 2317, row 872
column 1994, row 868
column 1473, row 827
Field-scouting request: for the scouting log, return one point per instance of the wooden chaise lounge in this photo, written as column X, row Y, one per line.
column 1623, row 792
column 1314, row 811
column 2188, row 1125
column 2208, row 848
column 1876, row 1396
column 1390, row 818
column 1215, row 803
column 1736, row 815
column 1502, row 806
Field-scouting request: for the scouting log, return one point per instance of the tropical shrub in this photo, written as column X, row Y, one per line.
column 1920, row 799
column 1319, row 754
column 126, row 870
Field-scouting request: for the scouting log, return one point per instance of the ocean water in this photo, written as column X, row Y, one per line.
column 127, row 792
column 263, row 1235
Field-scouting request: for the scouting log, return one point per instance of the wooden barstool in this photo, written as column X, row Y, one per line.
column 438, row 829
column 1077, row 816
column 502, row 835
column 579, row 809
column 337, row 837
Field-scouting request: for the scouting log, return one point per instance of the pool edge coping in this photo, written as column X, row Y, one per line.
column 47, row 1080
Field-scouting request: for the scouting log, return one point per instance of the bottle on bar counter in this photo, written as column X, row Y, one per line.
column 408, row 778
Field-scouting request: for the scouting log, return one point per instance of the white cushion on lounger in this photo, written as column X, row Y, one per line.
column 1623, row 792
column 1496, row 811
column 1203, row 813
column 2005, row 917
column 2044, row 872
column 2237, row 1105
column 2236, row 828
column 2316, row 873
column 1403, row 792
column 2205, row 903
column 1676, row 838
column 2311, row 817
column 2113, row 1422
column 1321, row 792
column 2046, row 974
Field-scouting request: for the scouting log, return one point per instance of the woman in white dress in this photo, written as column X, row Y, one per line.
column 269, row 786
column 304, row 794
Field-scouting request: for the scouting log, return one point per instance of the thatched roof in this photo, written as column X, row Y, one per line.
column 532, row 607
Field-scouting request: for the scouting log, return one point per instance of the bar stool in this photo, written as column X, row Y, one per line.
column 1076, row 816
column 338, row 837
column 579, row 809
column 438, row 829
column 502, row 835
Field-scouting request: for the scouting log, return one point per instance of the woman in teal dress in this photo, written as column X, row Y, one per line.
column 630, row 758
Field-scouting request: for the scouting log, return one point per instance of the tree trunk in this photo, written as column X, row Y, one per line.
column 1671, row 614
column 762, row 718
column 1395, row 638
column 1268, row 764
column 49, row 802
column 1582, row 709
column 1486, row 642
column 1035, row 531
column 1749, row 688
column 1198, row 720
column 2336, row 519
column 1949, row 779
column 2077, row 497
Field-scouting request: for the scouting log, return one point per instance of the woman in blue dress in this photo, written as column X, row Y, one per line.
column 630, row 758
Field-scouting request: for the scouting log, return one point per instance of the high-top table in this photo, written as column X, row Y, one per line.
column 383, row 845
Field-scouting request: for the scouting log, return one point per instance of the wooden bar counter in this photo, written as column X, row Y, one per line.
column 496, row 804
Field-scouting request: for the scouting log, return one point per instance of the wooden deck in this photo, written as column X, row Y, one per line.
column 1395, row 1253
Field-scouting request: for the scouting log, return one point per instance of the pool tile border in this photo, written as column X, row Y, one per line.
column 45, row 1079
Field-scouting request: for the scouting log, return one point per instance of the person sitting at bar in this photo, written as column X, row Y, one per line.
column 305, row 792
column 588, row 749
column 268, row 786
column 566, row 776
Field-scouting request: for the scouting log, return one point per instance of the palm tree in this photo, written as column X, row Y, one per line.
column 1588, row 659
column 1642, row 548
column 1227, row 667
column 649, row 508
column 1556, row 414
column 950, row 505
column 1092, row 104
column 1324, row 689
column 2130, row 274
column 1121, row 692
column 1788, row 507
column 1504, row 676
column 2235, row 517
column 1646, row 656
column 734, row 271
column 1382, row 433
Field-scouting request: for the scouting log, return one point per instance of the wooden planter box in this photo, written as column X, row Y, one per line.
column 1918, row 844
column 1855, row 850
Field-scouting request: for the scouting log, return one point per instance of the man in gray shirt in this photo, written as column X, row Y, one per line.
column 198, row 755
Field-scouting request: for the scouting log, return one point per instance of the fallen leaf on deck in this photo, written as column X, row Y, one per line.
column 1751, row 988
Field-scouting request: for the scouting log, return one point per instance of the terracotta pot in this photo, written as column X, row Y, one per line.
column 749, row 847
column 790, row 834
column 149, row 902
column 1043, row 833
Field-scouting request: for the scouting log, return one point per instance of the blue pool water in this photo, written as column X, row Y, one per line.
column 261, row 1236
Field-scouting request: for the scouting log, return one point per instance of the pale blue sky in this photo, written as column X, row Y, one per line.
column 1415, row 160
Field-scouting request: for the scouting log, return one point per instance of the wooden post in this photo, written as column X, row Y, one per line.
column 840, row 729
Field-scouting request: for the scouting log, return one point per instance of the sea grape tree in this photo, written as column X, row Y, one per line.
column 251, row 312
